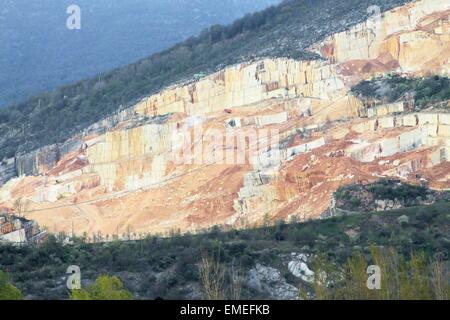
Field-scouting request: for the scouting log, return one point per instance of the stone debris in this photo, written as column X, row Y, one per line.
column 299, row 268
column 270, row 280
column 17, row 230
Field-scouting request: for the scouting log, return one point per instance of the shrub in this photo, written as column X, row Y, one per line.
column 104, row 288
column 7, row 290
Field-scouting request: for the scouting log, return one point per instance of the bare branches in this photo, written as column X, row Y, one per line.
column 212, row 277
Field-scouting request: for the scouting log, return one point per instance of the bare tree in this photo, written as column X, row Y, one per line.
column 20, row 206
column 439, row 280
column 212, row 276
column 236, row 280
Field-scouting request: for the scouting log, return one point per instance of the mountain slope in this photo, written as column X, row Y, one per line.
column 124, row 172
column 286, row 30
column 38, row 52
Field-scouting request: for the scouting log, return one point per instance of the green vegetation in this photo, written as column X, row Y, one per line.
column 7, row 290
column 104, row 288
column 386, row 189
column 425, row 91
column 120, row 32
column 359, row 197
column 285, row 30
column 171, row 268
column 414, row 278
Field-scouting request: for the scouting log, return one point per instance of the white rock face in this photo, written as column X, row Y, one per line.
column 306, row 147
column 17, row 236
column 271, row 119
column 385, row 205
column 298, row 267
column 399, row 33
column 268, row 279
column 431, row 130
column 247, row 83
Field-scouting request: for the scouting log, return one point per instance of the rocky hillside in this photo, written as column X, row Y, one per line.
column 252, row 143
column 282, row 31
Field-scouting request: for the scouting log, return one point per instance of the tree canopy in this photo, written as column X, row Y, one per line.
column 7, row 290
column 104, row 288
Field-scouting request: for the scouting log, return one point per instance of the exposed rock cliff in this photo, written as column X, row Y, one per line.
column 413, row 38
column 7, row 170
column 301, row 132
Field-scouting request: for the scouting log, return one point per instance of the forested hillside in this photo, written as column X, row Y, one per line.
column 39, row 53
column 285, row 30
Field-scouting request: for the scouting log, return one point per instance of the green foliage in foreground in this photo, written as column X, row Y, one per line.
column 104, row 288
column 166, row 267
column 7, row 290
column 414, row 278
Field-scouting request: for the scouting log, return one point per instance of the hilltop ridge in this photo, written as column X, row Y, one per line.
column 39, row 53
column 286, row 30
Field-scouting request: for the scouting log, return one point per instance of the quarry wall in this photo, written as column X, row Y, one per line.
column 413, row 38
column 257, row 191
column 431, row 130
column 384, row 110
column 244, row 84
column 134, row 158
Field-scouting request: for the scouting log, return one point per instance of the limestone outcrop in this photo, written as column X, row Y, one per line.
column 245, row 84
column 17, row 230
column 430, row 129
column 413, row 38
